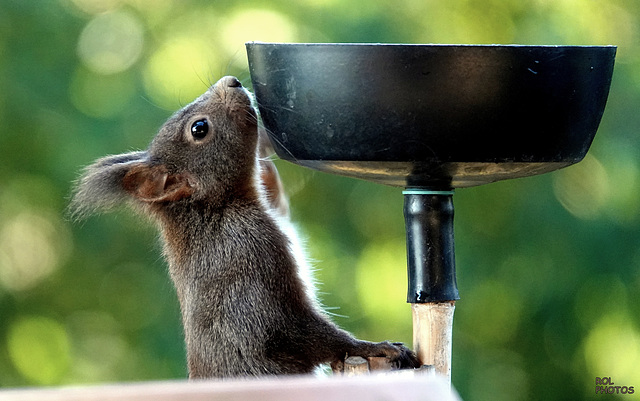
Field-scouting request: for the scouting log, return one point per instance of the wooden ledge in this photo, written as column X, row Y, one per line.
column 388, row 387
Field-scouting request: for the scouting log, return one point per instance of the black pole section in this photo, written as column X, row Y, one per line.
column 430, row 249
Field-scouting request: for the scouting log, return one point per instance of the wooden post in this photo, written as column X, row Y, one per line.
column 379, row 364
column 432, row 335
column 355, row 366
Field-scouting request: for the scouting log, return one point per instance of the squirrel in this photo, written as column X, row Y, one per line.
column 247, row 309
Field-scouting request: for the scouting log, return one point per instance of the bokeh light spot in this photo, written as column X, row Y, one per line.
column 612, row 348
column 96, row 6
column 179, row 71
column 111, row 42
column 99, row 346
column 32, row 247
column 39, row 349
column 591, row 22
column 582, row 189
column 623, row 202
column 255, row 25
column 382, row 285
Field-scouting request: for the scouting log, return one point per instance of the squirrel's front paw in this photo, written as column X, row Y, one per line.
column 399, row 356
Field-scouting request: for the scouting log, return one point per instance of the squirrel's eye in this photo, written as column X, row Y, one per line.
column 199, row 129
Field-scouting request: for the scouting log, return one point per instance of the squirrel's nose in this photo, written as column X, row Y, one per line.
column 229, row 81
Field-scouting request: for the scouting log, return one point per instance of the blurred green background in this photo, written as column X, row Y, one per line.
column 548, row 266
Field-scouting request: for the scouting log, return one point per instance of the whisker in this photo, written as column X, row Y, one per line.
column 273, row 138
column 204, row 82
column 180, row 102
column 245, row 78
column 210, row 76
column 156, row 105
column 232, row 59
column 275, row 108
column 257, row 105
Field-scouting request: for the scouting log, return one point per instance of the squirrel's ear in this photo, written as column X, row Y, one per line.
column 154, row 184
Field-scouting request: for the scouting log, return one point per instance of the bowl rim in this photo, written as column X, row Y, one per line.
column 434, row 45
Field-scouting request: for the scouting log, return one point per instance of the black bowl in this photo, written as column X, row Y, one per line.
column 432, row 116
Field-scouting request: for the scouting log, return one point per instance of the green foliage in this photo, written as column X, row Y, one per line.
column 548, row 266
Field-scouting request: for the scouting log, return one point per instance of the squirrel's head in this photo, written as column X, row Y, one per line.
column 211, row 142
column 205, row 150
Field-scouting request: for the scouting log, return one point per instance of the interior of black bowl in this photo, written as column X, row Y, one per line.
column 431, row 115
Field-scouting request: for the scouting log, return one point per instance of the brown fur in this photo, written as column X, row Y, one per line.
column 245, row 309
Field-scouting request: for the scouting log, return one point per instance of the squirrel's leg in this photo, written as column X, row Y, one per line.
column 334, row 344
